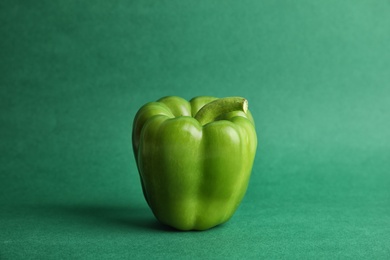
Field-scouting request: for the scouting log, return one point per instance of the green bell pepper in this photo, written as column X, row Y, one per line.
column 194, row 158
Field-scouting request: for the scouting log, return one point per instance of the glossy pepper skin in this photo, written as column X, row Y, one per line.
column 194, row 158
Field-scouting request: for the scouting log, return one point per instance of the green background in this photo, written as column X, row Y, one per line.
column 74, row 73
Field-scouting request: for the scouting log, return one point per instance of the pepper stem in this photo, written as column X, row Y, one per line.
column 209, row 112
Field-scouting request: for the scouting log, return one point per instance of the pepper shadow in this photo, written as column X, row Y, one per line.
column 122, row 218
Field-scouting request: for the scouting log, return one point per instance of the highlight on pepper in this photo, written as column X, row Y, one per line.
column 194, row 158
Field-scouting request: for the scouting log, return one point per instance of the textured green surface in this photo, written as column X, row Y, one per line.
column 74, row 73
